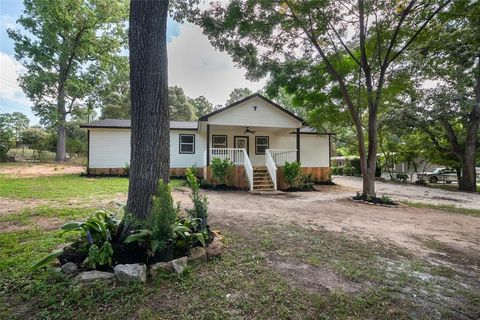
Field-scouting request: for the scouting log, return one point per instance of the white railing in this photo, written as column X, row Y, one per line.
column 280, row 156
column 272, row 168
column 248, row 169
column 238, row 157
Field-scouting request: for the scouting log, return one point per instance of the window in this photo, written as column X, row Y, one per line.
column 219, row 141
column 187, row 143
column 261, row 144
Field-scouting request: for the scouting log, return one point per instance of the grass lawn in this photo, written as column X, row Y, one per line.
column 380, row 282
column 270, row 271
column 447, row 208
column 64, row 187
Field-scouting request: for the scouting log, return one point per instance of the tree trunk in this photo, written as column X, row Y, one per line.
column 150, row 141
column 61, row 130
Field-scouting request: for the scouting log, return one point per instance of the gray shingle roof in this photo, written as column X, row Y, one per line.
column 120, row 124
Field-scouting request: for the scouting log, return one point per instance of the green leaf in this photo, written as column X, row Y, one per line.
column 201, row 238
column 70, row 226
column 45, row 261
column 138, row 235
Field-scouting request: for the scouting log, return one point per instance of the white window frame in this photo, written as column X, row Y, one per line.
column 180, row 143
column 219, row 145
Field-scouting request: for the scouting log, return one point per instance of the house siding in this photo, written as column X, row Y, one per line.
column 244, row 114
column 110, row 148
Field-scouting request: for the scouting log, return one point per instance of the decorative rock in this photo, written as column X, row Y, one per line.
column 215, row 248
column 69, row 268
column 131, row 272
column 94, row 276
column 156, row 268
column 180, row 264
column 197, row 254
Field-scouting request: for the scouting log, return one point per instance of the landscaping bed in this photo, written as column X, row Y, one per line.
column 131, row 247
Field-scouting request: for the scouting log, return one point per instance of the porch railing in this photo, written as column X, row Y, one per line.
column 233, row 154
column 237, row 157
column 271, row 167
column 280, row 156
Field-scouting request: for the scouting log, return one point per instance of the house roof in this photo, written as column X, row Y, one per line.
column 125, row 124
column 255, row 95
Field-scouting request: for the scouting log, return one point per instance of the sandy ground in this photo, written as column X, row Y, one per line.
column 24, row 170
column 402, row 226
column 413, row 193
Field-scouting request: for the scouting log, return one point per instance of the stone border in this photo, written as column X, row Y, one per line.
column 138, row 272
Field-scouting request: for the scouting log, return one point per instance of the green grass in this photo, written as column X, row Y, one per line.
column 64, row 187
column 447, row 208
column 241, row 284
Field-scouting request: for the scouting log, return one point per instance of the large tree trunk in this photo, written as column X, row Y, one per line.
column 150, row 141
column 469, row 176
column 61, row 130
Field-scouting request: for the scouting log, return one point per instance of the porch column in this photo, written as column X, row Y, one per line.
column 208, row 144
column 298, row 144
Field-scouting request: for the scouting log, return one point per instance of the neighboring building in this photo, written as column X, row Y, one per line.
column 256, row 134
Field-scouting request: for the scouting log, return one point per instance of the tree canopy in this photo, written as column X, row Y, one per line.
column 65, row 46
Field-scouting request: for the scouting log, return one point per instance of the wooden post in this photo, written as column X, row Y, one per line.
column 208, row 145
column 298, row 144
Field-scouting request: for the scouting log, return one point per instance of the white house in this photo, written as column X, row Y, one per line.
column 255, row 133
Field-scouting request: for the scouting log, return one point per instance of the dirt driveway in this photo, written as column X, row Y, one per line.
column 413, row 193
column 407, row 227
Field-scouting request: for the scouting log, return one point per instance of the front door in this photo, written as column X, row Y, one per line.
column 241, row 142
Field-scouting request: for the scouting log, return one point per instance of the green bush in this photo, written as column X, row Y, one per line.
column 221, row 169
column 292, row 172
column 156, row 232
column 340, row 171
column 96, row 235
column 355, row 163
column 200, row 203
column 349, row 171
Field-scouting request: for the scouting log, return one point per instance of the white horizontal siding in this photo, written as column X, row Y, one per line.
column 110, row 148
column 313, row 148
column 184, row 160
column 265, row 115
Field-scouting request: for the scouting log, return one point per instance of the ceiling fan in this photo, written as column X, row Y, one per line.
column 247, row 130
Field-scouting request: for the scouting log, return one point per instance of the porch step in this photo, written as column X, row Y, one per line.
column 262, row 180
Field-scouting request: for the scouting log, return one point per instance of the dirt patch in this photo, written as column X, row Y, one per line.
column 324, row 210
column 311, row 278
column 26, row 170
column 9, row 206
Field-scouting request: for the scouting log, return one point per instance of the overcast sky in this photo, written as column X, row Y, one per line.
column 193, row 64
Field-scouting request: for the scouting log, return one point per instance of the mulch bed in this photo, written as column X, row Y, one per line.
column 219, row 187
column 375, row 201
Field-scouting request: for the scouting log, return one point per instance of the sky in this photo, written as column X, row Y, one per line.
column 193, row 64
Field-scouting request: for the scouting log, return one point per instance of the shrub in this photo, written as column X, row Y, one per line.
column 158, row 230
column 96, row 235
column 200, row 203
column 221, row 169
column 421, row 182
column 334, row 170
column 349, row 171
column 195, row 170
column 307, row 181
column 126, row 168
column 292, row 172
column 339, row 171
column 402, row 177
column 355, row 163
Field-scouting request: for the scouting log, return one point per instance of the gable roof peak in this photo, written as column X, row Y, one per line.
column 254, row 95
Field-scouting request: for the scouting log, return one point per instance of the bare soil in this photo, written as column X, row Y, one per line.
column 402, row 226
column 26, row 170
column 414, row 193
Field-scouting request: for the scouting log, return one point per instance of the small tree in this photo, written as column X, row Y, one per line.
column 221, row 169
column 292, row 172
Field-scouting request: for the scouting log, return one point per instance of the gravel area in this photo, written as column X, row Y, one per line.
column 413, row 193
